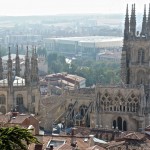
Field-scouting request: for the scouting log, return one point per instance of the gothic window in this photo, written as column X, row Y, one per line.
column 19, row 99
column 132, row 103
column 127, row 107
column 106, row 102
column 124, row 125
column 70, row 107
column 2, row 99
column 119, row 102
column 119, row 121
column 114, row 108
column 114, row 124
column 33, row 98
column 133, row 107
column 141, row 77
column 124, row 108
column 83, row 110
column 141, row 56
column 120, row 124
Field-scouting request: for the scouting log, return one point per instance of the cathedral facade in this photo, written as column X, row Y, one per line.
column 126, row 106
column 17, row 93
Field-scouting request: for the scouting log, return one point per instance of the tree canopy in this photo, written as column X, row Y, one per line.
column 16, row 138
column 104, row 72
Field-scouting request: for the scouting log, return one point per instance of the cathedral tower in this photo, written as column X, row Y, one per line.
column 136, row 51
column 34, row 66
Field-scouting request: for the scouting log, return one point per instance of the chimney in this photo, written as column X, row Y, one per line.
column 38, row 147
column 91, row 142
column 51, row 147
column 73, row 139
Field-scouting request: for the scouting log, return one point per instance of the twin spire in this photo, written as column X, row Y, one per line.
column 27, row 65
column 130, row 26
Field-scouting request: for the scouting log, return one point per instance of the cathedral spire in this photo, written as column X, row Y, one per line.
column 36, row 64
column 17, row 63
column 1, row 68
column 27, row 68
column 148, row 23
column 133, row 22
column 143, row 32
column 9, row 66
column 126, row 30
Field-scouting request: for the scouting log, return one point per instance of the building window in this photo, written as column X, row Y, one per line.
column 19, row 99
column 141, row 56
column 33, row 98
column 2, row 99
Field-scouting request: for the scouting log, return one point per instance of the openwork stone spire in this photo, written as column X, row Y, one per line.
column 144, row 26
column 27, row 68
column 148, row 23
column 17, row 63
column 133, row 22
column 126, row 30
column 1, row 68
column 9, row 66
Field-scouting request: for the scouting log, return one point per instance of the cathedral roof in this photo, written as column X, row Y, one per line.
column 18, row 81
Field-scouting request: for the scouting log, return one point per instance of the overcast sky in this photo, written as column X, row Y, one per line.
column 51, row 7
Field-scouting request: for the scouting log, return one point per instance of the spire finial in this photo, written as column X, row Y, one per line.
column 126, row 30
column 144, row 23
column 133, row 22
column 27, row 52
column 17, row 50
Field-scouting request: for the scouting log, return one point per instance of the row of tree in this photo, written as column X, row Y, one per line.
column 95, row 72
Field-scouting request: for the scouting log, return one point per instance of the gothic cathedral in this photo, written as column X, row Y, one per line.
column 125, row 106
column 17, row 93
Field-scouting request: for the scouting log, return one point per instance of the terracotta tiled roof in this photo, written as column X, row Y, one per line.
column 19, row 119
column 4, row 118
column 80, row 141
column 83, row 131
column 114, row 144
column 132, row 135
column 96, row 147
column 64, row 147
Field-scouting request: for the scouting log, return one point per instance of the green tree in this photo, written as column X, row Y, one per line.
column 16, row 138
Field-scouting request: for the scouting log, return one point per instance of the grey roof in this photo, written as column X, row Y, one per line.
column 18, row 81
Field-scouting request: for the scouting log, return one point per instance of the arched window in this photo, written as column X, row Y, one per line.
column 70, row 107
column 119, row 122
column 114, row 124
column 2, row 99
column 141, row 56
column 124, row 125
column 83, row 110
column 141, row 77
column 19, row 99
column 119, row 102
